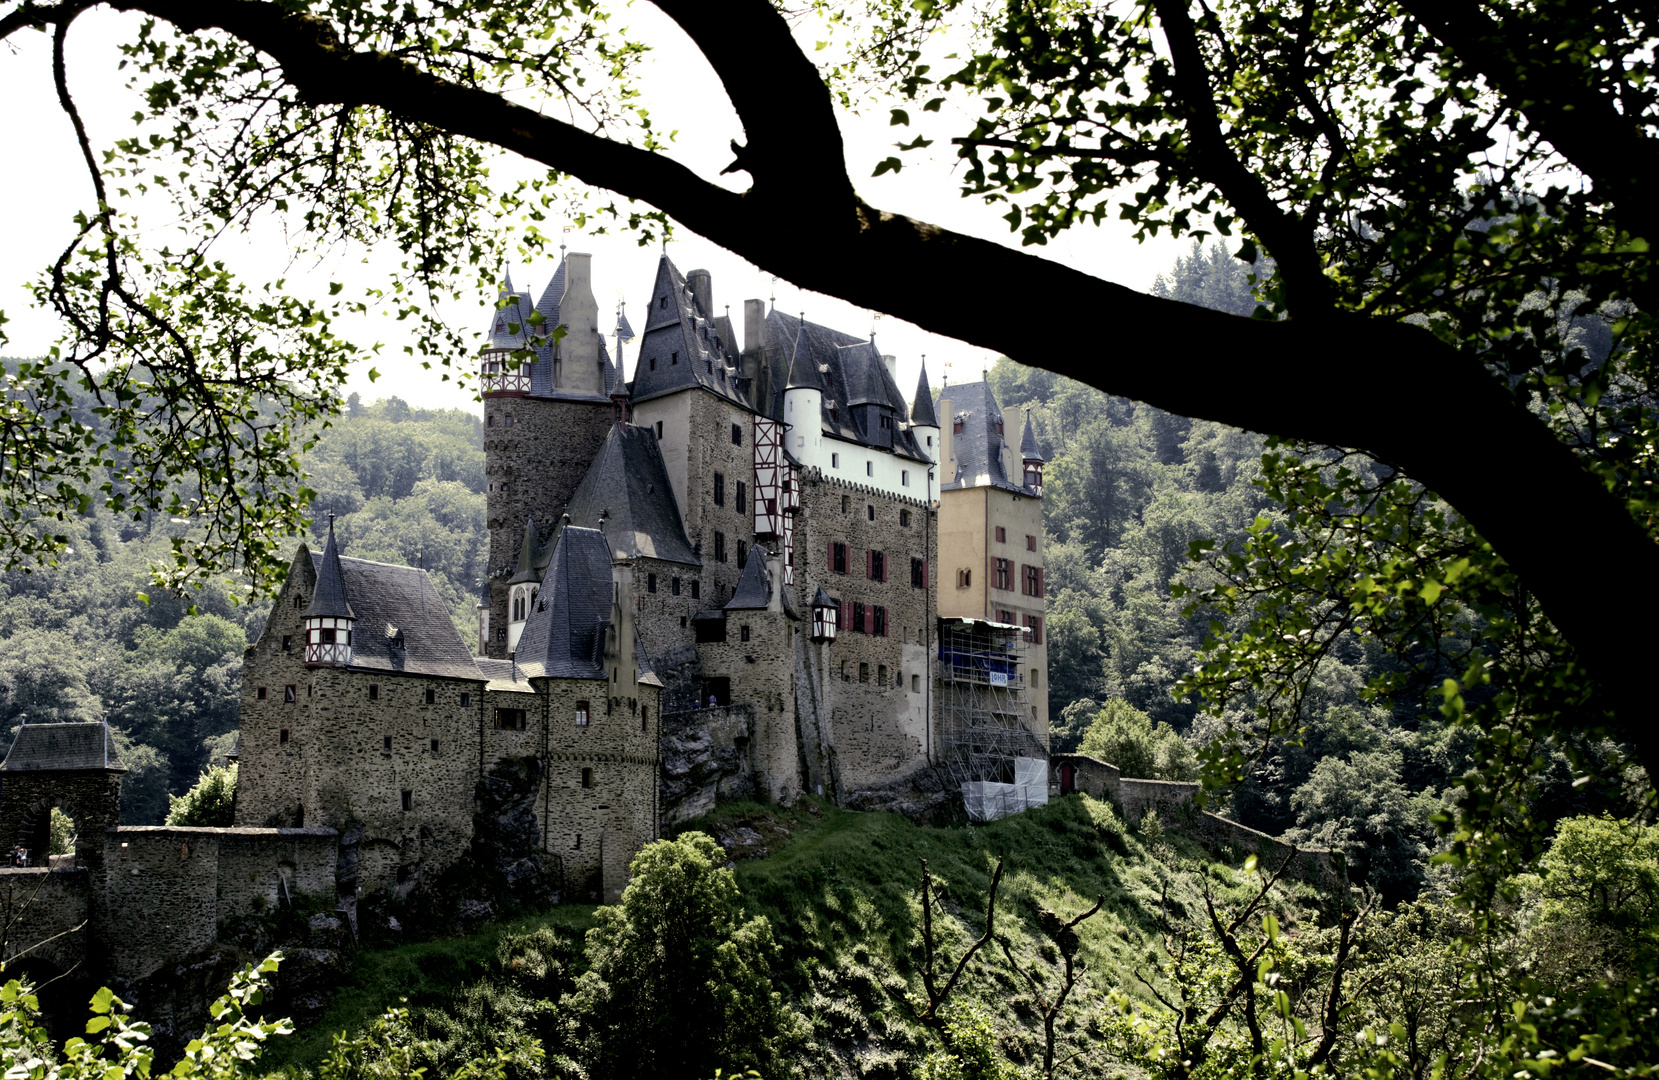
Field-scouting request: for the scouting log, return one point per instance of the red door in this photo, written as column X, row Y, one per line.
column 1068, row 778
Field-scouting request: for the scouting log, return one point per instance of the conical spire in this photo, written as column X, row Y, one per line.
column 1029, row 450
column 525, row 571
column 803, row 367
column 922, row 413
column 329, row 601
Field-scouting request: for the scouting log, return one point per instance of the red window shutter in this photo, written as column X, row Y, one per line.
column 1039, row 581
column 830, row 564
column 869, row 563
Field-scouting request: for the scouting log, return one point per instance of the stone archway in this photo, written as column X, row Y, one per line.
column 70, row 766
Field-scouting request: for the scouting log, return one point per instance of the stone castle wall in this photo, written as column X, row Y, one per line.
column 43, row 909
column 531, row 469
column 1172, row 800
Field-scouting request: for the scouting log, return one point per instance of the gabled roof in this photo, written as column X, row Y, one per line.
column 60, row 747
column 402, row 622
column 753, row 591
column 685, row 341
column 822, row 598
column 329, row 601
column 626, row 493
column 921, row 409
column 978, row 446
column 565, row 635
column 1029, row 450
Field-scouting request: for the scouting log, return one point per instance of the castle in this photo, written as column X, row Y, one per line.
column 756, row 568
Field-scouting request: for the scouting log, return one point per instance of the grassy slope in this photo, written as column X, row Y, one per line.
column 840, row 889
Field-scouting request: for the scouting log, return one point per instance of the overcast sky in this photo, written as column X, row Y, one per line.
column 45, row 184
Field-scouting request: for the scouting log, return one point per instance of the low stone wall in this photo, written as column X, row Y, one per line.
column 165, row 889
column 43, row 908
column 1172, row 799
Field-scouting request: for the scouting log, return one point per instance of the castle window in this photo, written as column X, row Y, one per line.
column 644, row 716
column 581, row 714
column 859, row 623
column 918, row 573
column 587, row 778
column 737, row 435
column 869, row 468
column 489, row 421
column 844, row 676
column 876, row 563
column 1005, row 616
column 287, row 642
column 720, row 489
column 509, row 720
column 904, row 477
column 881, row 674
column 835, row 461
column 682, row 622
column 879, row 624
column 863, row 672
column 290, row 694
column 1035, row 622
column 743, row 633
column 434, row 746
column 509, row 421
column 1004, row 574
column 578, row 841
column 838, row 558
column 1033, row 583
column 408, row 800
column 869, row 512
column 1034, row 678
column 374, row 691
column 659, row 430
column 260, row 693
column 956, row 426
column 930, row 442
column 846, row 504
column 386, row 743
column 719, row 547
column 299, row 602
column 742, row 497
column 1030, row 542
column 663, row 303
column 999, row 427
column 311, row 690
column 964, row 578
column 1002, row 535
column 674, row 586
column 696, row 588
column 653, row 363
column 915, row 684
column 282, row 737
column 650, row 583
column 673, row 358
column 466, row 701
column 904, row 519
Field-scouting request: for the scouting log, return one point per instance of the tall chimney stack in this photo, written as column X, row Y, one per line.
column 702, row 289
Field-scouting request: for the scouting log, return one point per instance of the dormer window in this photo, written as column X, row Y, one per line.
column 956, row 427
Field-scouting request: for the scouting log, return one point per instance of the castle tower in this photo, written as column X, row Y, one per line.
column 803, row 398
column 329, row 618
column 1033, row 457
column 544, row 419
column 924, row 420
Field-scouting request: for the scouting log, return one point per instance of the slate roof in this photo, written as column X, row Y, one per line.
column 402, row 622
column 329, row 601
column 978, row 446
column 565, row 635
column 628, row 484
column 1029, row 450
column 922, row 413
column 687, row 343
column 510, row 324
column 56, row 747
column 753, row 591
column 527, row 555
column 503, row 675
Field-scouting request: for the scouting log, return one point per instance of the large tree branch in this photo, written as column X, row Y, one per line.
column 1392, row 390
column 1521, row 61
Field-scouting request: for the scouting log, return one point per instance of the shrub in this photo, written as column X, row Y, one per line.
column 210, row 804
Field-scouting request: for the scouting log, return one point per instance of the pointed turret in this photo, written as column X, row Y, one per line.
column 522, row 587
column 329, row 618
column 1032, row 454
column 525, row 570
column 803, row 366
column 921, row 410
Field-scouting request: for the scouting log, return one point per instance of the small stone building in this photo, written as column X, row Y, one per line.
column 70, row 767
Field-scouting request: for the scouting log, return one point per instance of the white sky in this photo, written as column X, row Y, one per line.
column 44, row 184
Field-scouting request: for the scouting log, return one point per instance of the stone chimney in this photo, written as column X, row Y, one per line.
column 754, row 321
column 579, row 349
column 702, row 288
column 774, row 578
column 891, row 363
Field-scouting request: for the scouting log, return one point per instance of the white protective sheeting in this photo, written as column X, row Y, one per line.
column 988, row 801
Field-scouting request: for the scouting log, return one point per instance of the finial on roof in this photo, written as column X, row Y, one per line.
column 564, row 519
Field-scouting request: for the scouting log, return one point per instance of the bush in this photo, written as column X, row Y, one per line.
column 678, row 984
column 1122, row 735
column 210, row 804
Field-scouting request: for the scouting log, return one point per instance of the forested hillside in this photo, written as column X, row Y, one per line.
column 89, row 639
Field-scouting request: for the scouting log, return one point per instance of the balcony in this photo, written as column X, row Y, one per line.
column 500, row 374
column 328, row 652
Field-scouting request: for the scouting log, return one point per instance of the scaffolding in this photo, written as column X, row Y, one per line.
column 989, row 744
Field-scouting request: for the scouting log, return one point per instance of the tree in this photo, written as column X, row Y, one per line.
column 1357, row 145
column 678, row 983
column 1122, row 735
column 210, row 804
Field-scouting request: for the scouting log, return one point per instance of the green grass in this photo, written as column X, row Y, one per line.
column 423, row 973
column 840, row 889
